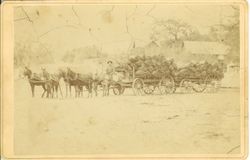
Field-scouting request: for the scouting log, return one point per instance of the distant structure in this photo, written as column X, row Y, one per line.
column 184, row 51
column 150, row 49
column 204, row 50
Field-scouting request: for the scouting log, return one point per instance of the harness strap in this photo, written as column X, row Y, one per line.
column 39, row 81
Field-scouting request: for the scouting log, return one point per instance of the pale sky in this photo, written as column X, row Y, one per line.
column 63, row 28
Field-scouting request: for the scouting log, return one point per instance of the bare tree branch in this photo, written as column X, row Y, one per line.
column 126, row 24
column 58, row 27
column 90, row 32
column 75, row 13
column 133, row 13
column 127, row 31
column 20, row 19
column 189, row 9
column 150, row 10
column 113, row 7
column 132, row 37
column 34, row 29
column 148, row 14
column 26, row 14
column 105, row 11
column 231, row 150
column 234, row 7
column 127, row 18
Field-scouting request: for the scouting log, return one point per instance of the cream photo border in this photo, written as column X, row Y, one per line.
column 7, row 80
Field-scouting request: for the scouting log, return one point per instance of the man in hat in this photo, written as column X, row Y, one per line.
column 47, row 78
column 172, row 66
column 45, row 74
column 110, row 70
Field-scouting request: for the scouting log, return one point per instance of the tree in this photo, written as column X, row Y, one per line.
column 77, row 55
column 229, row 34
column 27, row 53
column 171, row 30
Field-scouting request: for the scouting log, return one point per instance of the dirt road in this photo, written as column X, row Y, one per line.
column 174, row 124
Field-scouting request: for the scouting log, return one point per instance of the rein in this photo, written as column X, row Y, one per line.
column 38, row 81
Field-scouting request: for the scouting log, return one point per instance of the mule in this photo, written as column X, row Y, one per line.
column 35, row 80
column 77, row 80
column 55, row 83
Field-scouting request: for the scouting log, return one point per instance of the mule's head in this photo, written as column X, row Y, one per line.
column 27, row 72
column 70, row 74
column 62, row 74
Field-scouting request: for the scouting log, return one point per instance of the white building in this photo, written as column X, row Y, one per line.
column 204, row 50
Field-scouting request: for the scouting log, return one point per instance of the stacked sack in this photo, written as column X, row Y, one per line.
column 202, row 70
column 152, row 67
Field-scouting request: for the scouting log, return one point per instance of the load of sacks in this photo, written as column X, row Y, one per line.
column 153, row 67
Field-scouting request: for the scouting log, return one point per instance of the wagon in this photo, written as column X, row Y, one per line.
column 139, row 84
column 189, row 78
column 187, row 82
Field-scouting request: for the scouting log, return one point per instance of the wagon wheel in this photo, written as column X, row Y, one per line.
column 201, row 84
column 122, row 90
column 137, row 86
column 186, row 85
column 148, row 89
column 167, row 85
column 216, row 85
column 117, row 90
column 213, row 85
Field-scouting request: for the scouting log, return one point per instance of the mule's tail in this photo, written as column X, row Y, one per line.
column 60, row 90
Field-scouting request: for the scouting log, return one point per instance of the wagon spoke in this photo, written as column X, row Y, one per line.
column 200, row 85
column 138, row 86
column 117, row 89
column 167, row 85
column 148, row 89
column 186, row 85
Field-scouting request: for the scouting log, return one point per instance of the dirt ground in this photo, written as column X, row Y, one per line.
column 205, row 123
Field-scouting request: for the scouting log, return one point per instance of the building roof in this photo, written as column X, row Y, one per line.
column 152, row 44
column 205, row 47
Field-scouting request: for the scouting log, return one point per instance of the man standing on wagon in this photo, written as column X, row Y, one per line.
column 47, row 78
column 110, row 70
column 45, row 74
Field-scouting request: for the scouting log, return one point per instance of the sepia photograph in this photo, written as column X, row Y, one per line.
column 124, row 79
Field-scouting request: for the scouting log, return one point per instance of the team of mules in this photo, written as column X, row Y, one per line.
column 72, row 79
